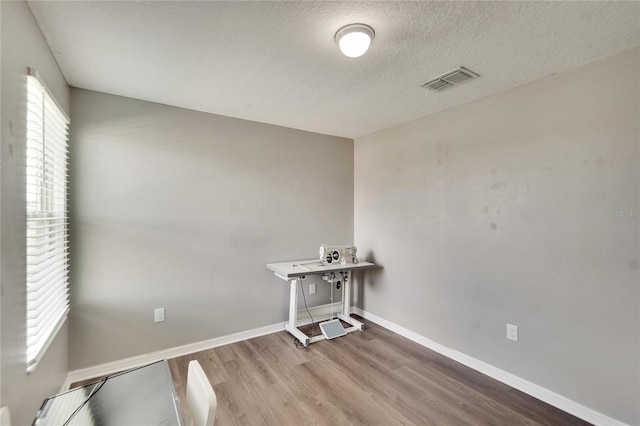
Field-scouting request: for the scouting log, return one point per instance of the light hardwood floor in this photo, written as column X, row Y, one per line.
column 374, row 377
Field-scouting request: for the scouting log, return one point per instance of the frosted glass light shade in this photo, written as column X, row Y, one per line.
column 354, row 40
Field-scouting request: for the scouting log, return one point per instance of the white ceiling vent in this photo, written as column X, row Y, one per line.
column 450, row 79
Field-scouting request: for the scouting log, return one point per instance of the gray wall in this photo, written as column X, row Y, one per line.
column 22, row 46
column 493, row 212
column 179, row 209
column 500, row 211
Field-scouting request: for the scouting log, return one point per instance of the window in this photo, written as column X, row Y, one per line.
column 46, row 236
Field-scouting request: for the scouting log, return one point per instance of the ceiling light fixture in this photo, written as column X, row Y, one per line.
column 354, row 39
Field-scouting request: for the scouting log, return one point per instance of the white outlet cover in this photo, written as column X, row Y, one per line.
column 312, row 288
column 512, row 332
column 158, row 315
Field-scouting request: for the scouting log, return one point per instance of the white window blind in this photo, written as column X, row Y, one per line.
column 47, row 235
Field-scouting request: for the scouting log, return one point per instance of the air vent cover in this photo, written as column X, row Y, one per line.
column 450, row 79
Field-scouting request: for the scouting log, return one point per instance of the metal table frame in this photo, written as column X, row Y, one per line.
column 297, row 271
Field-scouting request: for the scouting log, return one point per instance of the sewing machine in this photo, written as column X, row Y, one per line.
column 338, row 254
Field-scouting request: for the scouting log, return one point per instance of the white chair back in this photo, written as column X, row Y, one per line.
column 5, row 417
column 201, row 398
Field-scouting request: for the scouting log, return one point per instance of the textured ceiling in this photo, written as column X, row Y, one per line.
column 277, row 62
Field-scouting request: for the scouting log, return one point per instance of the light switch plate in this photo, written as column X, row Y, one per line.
column 512, row 332
column 158, row 315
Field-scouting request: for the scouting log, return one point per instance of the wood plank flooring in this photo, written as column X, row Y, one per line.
column 374, row 377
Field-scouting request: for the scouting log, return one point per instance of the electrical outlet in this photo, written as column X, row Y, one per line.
column 512, row 332
column 158, row 315
column 312, row 288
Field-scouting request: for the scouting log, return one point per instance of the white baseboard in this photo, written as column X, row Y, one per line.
column 536, row 391
column 140, row 360
column 318, row 312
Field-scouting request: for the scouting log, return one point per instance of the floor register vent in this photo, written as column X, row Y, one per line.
column 450, row 79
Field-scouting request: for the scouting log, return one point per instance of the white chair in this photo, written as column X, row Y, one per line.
column 201, row 398
column 5, row 417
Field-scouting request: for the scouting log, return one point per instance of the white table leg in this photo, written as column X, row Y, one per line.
column 292, row 325
column 346, row 295
column 293, row 304
column 346, row 307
